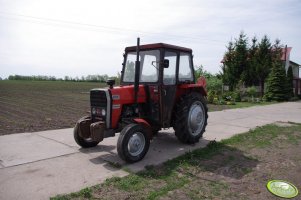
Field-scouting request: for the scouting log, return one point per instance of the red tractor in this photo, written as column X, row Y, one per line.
column 157, row 90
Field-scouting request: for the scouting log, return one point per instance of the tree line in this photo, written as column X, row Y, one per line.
column 257, row 63
column 88, row 78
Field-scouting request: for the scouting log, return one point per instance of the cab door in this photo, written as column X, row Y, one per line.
column 168, row 88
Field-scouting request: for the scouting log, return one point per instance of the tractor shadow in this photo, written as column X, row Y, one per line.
column 212, row 162
column 163, row 147
column 211, row 156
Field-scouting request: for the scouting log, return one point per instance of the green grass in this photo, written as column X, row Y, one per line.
column 129, row 183
column 182, row 171
column 250, row 104
column 171, row 184
column 213, row 107
column 262, row 137
column 85, row 193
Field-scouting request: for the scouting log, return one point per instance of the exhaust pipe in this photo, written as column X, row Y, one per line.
column 137, row 71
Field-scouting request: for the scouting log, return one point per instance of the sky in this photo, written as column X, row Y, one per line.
column 78, row 38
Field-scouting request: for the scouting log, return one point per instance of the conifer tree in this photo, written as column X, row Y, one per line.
column 228, row 67
column 263, row 63
column 249, row 75
column 277, row 82
column 235, row 61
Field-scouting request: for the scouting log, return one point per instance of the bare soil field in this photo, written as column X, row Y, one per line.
column 27, row 106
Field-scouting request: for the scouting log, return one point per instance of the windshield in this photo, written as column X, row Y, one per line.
column 149, row 64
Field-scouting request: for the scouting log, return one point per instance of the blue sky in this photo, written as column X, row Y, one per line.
column 75, row 38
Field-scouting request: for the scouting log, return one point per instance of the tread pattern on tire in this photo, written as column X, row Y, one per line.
column 81, row 141
column 181, row 118
column 122, row 143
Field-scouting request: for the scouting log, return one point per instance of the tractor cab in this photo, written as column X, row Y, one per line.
column 157, row 90
column 163, row 70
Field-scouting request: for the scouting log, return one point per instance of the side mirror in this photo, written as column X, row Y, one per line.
column 165, row 63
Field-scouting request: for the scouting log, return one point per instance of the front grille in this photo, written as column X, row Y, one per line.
column 98, row 98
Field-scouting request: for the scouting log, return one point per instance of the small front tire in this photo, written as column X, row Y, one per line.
column 83, row 142
column 133, row 143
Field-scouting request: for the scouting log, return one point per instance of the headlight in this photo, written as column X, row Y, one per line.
column 103, row 112
column 94, row 111
column 98, row 111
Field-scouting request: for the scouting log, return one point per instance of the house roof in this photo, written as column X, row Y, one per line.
column 294, row 63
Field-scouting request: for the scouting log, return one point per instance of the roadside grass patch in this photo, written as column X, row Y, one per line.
column 207, row 173
column 262, row 137
column 85, row 193
column 114, row 164
column 212, row 107
column 129, row 183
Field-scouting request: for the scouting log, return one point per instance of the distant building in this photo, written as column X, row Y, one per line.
column 296, row 69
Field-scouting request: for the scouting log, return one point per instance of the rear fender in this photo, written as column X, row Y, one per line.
column 185, row 88
column 201, row 90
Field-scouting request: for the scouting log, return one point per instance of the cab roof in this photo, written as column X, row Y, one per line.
column 157, row 46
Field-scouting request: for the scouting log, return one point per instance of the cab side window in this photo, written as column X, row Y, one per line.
column 185, row 67
column 169, row 74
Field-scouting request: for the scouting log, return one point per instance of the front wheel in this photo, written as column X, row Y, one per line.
column 81, row 141
column 191, row 118
column 133, row 143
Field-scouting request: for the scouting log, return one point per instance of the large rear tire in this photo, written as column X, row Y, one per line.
column 133, row 143
column 83, row 142
column 191, row 118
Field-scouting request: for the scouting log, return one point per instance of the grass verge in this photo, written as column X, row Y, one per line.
column 212, row 107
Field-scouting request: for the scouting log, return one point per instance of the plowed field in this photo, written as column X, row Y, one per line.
column 27, row 106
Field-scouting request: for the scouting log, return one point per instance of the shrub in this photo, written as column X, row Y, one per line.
column 230, row 103
column 210, row 96
column 251, row 91
column 236, row 96
column 215, row 101
column 222, row 102
column 232, row 96
column 214, row 84
column 227, row 95
column 294, row 99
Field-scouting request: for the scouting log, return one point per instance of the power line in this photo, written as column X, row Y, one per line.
column 99, row 28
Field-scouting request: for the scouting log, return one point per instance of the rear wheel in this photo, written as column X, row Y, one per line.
column 133, row 143
column 83, row 142
column 191, row 118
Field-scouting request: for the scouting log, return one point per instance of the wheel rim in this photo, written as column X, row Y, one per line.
column 136, row 144
column 196, row 118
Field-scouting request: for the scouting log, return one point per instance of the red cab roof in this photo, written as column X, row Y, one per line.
column 157, row 46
